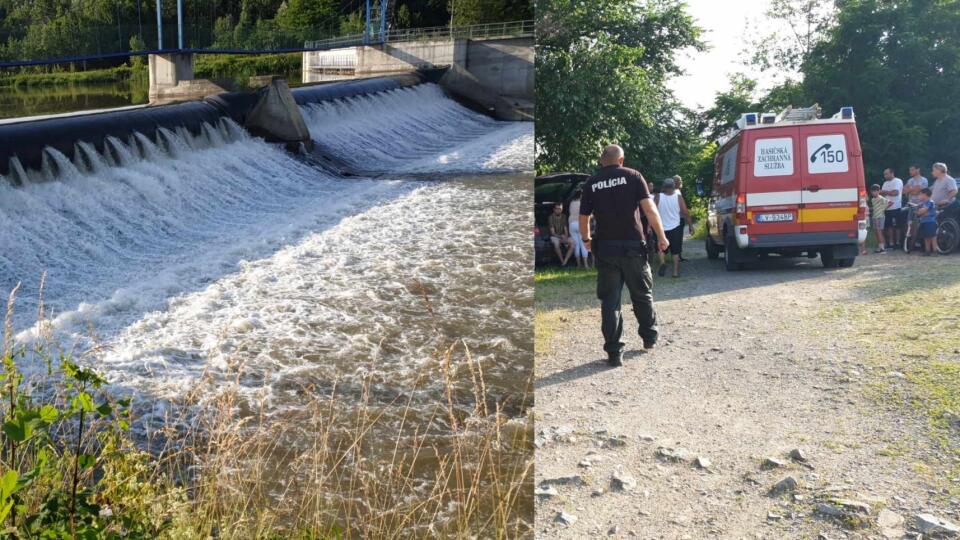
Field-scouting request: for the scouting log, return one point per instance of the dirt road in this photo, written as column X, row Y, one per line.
column 752, row 366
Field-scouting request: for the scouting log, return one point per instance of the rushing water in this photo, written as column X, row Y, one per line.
column 188, row 254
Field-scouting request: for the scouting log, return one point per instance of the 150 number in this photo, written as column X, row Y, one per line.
column 827, row 155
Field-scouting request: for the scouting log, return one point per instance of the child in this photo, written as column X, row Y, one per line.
column 878, row 207
column 928, row 222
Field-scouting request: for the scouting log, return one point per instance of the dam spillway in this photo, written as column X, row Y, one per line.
column 183, row 255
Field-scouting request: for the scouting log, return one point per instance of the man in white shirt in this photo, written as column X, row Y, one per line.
column 892, row 189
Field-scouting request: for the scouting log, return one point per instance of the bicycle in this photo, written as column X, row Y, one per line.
column 948, row 228
column 913, row 225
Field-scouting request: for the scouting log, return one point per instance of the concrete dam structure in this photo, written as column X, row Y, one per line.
column 496, row 73
column 271, row 113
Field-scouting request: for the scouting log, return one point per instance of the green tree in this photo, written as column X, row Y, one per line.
column 137, row 44
column 601, row 77
column 802, row 24
column 466, row 12
column 308, row 14
column 898, row 64
column 352, row 24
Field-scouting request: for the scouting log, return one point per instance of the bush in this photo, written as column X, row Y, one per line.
column 242, row 67
column 70, row 468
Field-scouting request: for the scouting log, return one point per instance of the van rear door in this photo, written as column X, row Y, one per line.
column 774, row 181
column 830, row 189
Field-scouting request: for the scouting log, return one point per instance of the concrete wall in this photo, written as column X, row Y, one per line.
column 503, row 66
column 410, row 55
column 167, row 70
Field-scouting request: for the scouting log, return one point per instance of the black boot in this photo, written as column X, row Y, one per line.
column 615, row 359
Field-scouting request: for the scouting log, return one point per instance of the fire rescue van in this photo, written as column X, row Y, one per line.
column 789, row 184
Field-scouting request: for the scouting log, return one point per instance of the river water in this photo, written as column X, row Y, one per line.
column 20, row 101
column 187, row 256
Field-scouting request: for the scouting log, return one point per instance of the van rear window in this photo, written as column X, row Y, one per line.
column 728, row 165
column 827, row 154
column 773, row 157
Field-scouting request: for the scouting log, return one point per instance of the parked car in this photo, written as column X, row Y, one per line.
column 788, row 184
column 547, row 191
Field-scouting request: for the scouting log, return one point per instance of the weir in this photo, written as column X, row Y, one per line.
column 270, row 112
column 121, row 229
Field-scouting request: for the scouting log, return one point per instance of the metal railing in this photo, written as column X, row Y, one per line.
column 475, row 31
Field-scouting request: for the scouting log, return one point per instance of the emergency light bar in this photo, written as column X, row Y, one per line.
column 747, row 119
column 846, row 113
column 790, row 114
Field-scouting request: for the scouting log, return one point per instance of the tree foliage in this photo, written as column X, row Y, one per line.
column 601, row 75
column 801, row 24
column 466, row 12
column 41, row 29
column 898, row 64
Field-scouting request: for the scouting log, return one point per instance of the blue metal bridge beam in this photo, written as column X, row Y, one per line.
column 383, row 21
column 180, row 24
column 366, row 26
column 159, row 26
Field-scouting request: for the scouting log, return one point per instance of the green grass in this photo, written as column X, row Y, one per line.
column 911, row 325
column 58, row 78
column 558, row 292
column 220, row 66
column 570, row 288
column 243, row 67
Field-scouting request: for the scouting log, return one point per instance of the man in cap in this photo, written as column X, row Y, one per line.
column 615, row 197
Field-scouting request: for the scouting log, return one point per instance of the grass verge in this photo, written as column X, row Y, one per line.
column 558, row 292
column 909, row 326
column 217, row 66
column 240, row 68
column 58, row 78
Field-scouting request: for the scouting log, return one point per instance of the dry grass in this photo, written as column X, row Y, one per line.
column 220, row 466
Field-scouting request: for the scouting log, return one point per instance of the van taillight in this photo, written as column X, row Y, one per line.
column 741, row 204
column 862, row 209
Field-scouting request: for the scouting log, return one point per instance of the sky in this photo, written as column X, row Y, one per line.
column 725, row 25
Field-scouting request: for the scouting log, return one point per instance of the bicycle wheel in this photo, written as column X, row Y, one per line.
column 948, row 236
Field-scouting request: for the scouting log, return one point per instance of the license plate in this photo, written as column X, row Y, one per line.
column 772, row 218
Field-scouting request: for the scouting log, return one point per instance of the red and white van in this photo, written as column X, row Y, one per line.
column 789, row 184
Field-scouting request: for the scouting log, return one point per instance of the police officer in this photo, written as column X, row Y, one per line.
column 614, row 197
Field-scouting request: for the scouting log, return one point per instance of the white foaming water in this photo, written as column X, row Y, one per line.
column 122, row 234
column 418, row 130
column 119, row 241
column 220, row 258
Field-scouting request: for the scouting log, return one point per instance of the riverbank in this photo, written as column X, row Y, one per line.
column 30, row 93
column 27, row 79
column 235, row 67
column 855, row 369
